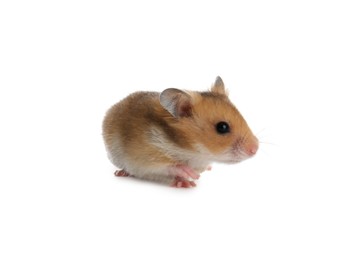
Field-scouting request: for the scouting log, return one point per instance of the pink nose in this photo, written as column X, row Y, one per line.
column 252, row 147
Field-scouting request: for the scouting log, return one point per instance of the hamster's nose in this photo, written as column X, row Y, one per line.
column 252, row 146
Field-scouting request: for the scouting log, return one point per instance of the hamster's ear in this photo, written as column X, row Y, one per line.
column 176, row 101
column 218, row 86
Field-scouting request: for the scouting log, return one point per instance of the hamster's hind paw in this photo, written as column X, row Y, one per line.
column 121, row 173
column 180, row 182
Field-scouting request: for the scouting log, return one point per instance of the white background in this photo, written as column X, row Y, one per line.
column 294, row 70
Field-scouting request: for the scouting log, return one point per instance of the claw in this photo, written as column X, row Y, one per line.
column 182, row 183
column 121, row 173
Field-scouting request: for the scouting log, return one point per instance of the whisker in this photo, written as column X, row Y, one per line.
column 259, row 132
column 245, row 137
column 263, row 151
column 262, row 142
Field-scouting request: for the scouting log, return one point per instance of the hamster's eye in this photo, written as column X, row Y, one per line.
column 222, row 128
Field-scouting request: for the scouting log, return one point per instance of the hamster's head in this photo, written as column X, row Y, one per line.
column 211, row 123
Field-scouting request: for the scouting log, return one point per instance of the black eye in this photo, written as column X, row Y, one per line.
column 222, row 128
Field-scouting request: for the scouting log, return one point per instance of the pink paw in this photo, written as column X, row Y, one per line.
column 184, row 171
column 121, row 173
column 182, row 183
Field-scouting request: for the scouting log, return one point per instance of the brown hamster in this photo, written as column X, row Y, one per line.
column 175, row 135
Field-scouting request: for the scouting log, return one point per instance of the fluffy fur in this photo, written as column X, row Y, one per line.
column 171, row 135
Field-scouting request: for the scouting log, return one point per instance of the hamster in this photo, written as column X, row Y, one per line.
column 173, row 136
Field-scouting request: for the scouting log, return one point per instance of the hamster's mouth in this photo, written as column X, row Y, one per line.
column 234, row 157
column 238, row 155
column 243, row 149
column 237, row 160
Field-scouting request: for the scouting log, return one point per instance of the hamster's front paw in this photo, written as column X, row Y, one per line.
column 183, row 171
column 180, row 182
column 184, row 176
